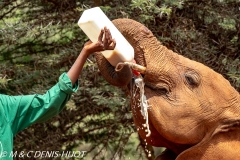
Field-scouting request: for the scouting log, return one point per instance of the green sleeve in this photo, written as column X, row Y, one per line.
column 22, row 111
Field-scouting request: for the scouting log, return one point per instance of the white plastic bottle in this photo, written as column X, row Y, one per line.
column 92, row 21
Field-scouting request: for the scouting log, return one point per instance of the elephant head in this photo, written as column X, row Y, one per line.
column 193, row 111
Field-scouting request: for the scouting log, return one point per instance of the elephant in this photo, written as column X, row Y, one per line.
column 193, row 111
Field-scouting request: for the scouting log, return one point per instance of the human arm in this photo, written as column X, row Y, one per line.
column 21, row 111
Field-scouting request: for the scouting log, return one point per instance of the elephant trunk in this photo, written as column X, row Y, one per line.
column 119, row 76
column 148, row 52
column 136, row 34
column 147, row 49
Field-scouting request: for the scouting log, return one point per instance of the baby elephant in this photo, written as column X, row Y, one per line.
column 193, row 111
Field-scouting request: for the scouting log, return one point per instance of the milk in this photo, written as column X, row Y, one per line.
column 92, row 21
column 143, row 103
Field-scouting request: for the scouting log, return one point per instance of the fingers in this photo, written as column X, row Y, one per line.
column 106, row 37
column 100, row 37
column 111, row 47
column 108, row 42
column 105, row 40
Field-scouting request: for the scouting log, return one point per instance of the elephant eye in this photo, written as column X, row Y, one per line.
column 192, row 78
column 160, row 88
column 163, row 90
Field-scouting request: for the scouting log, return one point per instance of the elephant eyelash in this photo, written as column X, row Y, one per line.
column 160, row 88
column 192, row 78
column 163, row 91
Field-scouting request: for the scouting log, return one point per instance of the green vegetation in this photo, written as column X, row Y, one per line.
column 40, row 39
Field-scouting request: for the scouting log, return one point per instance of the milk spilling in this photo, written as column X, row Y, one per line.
column 92, row 21
column 143, row 103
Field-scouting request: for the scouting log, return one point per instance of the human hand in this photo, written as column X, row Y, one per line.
column 105, row 42
column 119, row 75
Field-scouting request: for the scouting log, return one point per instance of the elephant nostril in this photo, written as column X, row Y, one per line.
column 119, row 66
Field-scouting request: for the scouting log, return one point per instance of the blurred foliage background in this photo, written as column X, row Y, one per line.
column 40, row 39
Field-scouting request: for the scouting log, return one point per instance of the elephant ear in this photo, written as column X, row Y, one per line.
column 219, row 145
